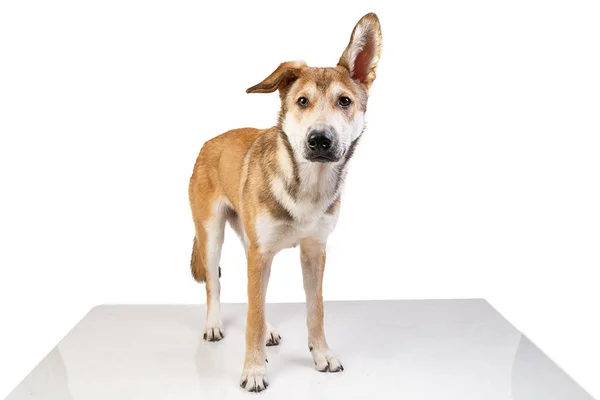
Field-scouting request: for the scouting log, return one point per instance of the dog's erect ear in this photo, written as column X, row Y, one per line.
column 362, row 54
column 281, row 78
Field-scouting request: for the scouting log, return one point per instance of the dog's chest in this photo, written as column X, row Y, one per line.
column 274, row 235
column 306, row 206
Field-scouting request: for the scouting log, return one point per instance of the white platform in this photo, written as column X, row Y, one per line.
column 409, row 350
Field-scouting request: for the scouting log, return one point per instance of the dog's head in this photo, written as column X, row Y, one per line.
column 322, row 109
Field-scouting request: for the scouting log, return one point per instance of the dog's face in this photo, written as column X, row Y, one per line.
column 323, row 113
column 323, row 109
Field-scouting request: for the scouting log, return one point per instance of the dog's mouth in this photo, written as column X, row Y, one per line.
column 322, row 159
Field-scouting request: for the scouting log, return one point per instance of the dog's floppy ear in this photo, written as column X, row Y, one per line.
column 281, row 78
column 362, row 54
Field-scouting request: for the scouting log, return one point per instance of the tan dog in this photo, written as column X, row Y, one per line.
column 280, row 187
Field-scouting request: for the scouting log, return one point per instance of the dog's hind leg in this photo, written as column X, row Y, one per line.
column 272, row 338
column 209, row 221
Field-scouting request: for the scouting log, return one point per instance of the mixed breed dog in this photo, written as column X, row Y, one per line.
column 280, row 187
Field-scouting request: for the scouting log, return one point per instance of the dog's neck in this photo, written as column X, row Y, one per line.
column 310, row 184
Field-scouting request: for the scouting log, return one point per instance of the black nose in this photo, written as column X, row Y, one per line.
column 319, row 141
column 320, row 146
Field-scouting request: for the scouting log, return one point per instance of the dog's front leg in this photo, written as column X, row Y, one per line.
column 254, row 377
column 312, row 257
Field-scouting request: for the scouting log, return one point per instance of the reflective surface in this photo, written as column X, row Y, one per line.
column 425, row 350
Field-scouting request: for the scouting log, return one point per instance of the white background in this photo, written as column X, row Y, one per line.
column 478, row 175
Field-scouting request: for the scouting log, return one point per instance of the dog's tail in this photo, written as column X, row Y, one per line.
column 197, row 264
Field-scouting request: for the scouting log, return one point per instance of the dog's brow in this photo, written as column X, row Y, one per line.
column 336, row 89
column 308, row 89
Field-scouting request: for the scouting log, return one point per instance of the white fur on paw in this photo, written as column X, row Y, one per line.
column 326, row 361
column 254, row 379
column 272, row 338
column 213, row 332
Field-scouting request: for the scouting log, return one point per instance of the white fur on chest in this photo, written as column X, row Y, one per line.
column 318, row 188
column 274, row 235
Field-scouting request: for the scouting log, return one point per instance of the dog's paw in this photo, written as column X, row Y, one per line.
column 326, row 361
column 254, row 379
column 213, row 333
column 272, row 338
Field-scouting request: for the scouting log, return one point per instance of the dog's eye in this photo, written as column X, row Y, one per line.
column 303, row 102
column 344, row 102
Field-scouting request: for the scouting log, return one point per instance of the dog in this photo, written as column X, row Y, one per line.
column 280, row 187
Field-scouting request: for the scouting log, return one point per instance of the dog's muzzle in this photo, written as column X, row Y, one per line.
column 321, row 146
